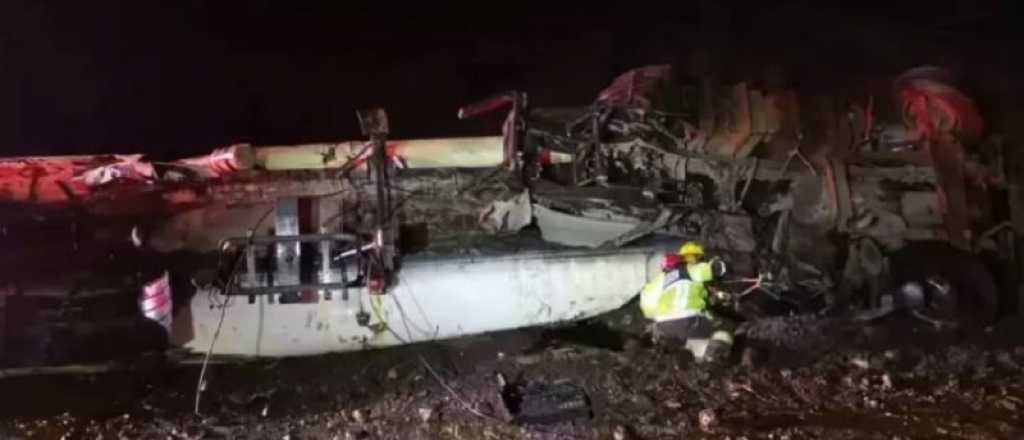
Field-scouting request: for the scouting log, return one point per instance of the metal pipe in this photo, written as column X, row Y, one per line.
column 302, row 238
column 268, row 290
column 468, row 152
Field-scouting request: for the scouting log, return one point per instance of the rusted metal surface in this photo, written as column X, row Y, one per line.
column 944, row 120
column 783, row 115
column 947, row 156
column 738, row 126
column 839, row 186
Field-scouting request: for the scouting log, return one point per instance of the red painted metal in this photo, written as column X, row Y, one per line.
column 46, row 179
column 946, row 121
column 223, row 161
column 488, row 105
column 932, row 105
column 155, row 301
column 635, row 88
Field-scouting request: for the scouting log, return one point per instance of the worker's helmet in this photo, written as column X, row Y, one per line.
column 690, row 248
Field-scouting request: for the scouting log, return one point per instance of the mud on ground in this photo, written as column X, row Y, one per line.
column 808, row 378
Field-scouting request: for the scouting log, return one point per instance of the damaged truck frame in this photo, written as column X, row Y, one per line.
column 815, row 203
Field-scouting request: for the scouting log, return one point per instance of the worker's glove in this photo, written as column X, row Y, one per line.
column 718, row 296
column 718, row 267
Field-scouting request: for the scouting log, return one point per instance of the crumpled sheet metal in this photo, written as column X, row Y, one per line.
column 62, row 179
column 129, row 168
column 571, row 230
column 931, row 104
column 508, row 215
column 133, row 170
column 635, row 88
column 47, row 179
column 223, row 161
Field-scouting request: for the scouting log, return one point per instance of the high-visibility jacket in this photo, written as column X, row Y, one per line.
column 679, row 293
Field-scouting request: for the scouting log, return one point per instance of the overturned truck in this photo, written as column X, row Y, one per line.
column 295, row 250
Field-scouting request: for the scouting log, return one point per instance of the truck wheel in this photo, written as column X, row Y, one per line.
column 972, row 283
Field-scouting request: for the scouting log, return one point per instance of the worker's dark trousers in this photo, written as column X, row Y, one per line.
column 696, row 333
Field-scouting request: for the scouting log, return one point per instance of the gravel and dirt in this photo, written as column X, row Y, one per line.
column 801, row 378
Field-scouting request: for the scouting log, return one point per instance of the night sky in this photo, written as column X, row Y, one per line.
column 178, row 78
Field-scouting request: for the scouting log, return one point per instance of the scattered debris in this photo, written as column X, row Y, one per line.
column 128, row 168
column 358, row 416
column 886, row 382
column 623, row 433
column 546, row 403
column 425, row 414
column 707, row 419
column 860, row 362
column 1008, row 405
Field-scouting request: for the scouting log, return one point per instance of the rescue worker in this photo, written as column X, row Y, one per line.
column 677, row 302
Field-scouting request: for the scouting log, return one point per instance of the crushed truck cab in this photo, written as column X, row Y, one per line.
column 565, row 215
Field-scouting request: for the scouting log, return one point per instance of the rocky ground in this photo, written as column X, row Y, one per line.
column 807, row 378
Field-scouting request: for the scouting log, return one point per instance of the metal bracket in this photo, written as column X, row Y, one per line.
column 514, row 128
column 374, row 123
column 287, row 278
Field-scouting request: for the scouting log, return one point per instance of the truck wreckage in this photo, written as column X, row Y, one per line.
column 298, row 250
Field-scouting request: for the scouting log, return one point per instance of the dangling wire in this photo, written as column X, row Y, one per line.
column 225, row 289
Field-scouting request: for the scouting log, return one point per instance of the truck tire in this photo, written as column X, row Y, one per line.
column 972, row 281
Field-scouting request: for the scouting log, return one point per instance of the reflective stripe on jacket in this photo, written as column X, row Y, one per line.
column 677, row 294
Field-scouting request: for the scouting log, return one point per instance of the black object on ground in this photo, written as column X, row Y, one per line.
column 547, row 403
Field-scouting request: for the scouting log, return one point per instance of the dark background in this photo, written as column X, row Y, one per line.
column 177, row 78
